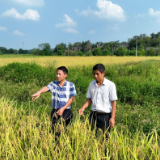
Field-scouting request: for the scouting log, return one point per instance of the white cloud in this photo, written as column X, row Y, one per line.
column 70, row 30
column 92, row 32
column 3, row 28
column 107, row 10
column 67, row 22
column 28, row 15
column 17, row 32
column 155, row 14
column 37, row 3
column 68, row 25
column 140, row 15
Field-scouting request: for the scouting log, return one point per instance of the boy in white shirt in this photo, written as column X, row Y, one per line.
column 102, row 95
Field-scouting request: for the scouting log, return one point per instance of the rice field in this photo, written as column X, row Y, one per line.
column 27, row 136
column 25, row 126
column 70, row 61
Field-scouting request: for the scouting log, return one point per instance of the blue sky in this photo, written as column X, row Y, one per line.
column 28, row 23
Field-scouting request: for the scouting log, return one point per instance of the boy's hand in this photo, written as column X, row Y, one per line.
column 81, row 111
column 36, row 95
column 111, row 122
column 60, row 111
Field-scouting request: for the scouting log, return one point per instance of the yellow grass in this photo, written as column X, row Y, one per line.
column 71, row 61
column 26, row 136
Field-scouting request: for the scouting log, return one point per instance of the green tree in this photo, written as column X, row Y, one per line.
column 121, row 51
column 79, row 53
column 150, row 52
column 11, row 51
column 60, row 53
column 89, row 53
column 4, row 50
column 1, row 53
column 45, row 48
column 97, row 52
column 106, row 52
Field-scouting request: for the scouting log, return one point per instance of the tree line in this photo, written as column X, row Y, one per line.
column 141, row 45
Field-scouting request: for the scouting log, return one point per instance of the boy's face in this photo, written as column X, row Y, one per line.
column 98, row 75
column 61, row 75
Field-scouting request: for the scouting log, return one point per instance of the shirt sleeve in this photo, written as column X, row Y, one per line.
column 113, row 93
column 73, row 91
column 50, row 86
column 88, row 95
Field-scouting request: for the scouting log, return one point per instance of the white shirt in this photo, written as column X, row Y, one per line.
column 102, row 95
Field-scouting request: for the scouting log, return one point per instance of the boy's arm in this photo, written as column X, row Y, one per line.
column 112, row 119
column 37, row 94
column 88, row 102
column 61, row 110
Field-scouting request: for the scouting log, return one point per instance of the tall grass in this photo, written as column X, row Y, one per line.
column 25, row 135
column 137, row 83
column 71, row 61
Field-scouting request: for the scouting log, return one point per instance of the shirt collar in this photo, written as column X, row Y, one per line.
column 65, row 83
column 104, row 81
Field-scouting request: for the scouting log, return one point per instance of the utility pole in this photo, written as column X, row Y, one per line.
column 136, row 47
column 68, row 49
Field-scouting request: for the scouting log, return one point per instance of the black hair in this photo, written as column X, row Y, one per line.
column 64, row 69
column 100, row 67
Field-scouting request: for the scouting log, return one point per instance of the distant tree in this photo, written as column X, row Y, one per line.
column 151, row 52
column 153, row 35
column 79, row 53
column 11, row 51
column 45, row 48
column 86, row 46
column 36, row 51
column 121, row 51
column 60, row 48
column 60, row 53
column 97, row 52
column 106, row 52
column 141, row 52
column 4, row 50
column 20, row 51
column 1, row 53
column 89, row 53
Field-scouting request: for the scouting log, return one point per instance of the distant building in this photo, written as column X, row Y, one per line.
column 74, row 49
column 155, row 48
column 123, row 44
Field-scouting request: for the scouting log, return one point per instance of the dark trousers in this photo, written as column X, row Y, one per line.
column 66, row 118
column 100, row 120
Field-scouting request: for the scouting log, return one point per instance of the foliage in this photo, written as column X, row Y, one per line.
column 150, row 52
column 89, row 53
column 1, row 53
column 21, row 51
column 97, row 52
column 79, row 53
column 25, row 134
column 60, row 53
column 106, row 52
column 122, row 51
column 139, row 52
column 137, row 85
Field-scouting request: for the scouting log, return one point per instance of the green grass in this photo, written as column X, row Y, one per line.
column 25, row 129
column 137, row 85
column 26, row 135
column 15, row 55
column 136, row 133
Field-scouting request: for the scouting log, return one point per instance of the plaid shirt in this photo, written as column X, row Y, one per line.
column 61, row 95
